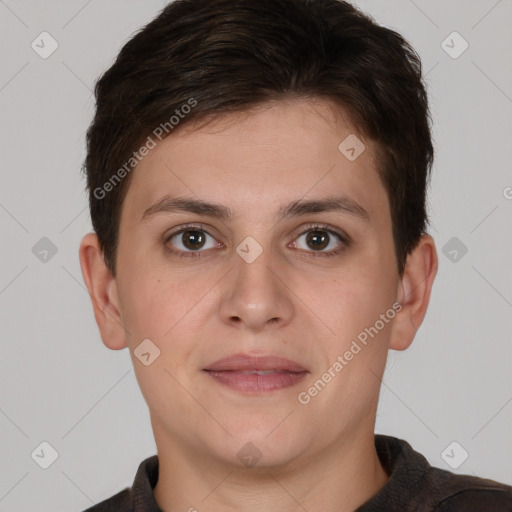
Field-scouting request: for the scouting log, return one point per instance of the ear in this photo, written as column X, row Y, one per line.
column 414, row 292
column 103, row 292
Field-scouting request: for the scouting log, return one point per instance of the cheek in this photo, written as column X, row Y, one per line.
column 355, row 301
column 170, row 311
column 152, row 307
column 356, row 296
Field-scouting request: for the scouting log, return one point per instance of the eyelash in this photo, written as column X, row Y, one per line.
column 344, row 239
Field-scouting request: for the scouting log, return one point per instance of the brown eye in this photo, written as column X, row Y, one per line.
column 191, row 240
column 321, row 241
column 318, row 240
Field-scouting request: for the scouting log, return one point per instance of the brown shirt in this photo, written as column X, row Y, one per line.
column 413, row 486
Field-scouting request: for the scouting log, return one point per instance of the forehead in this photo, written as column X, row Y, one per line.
column 256, row 160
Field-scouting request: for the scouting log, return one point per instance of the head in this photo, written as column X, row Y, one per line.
column 257, row 177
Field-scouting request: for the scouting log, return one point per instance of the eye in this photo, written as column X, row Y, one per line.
column 320, row 239
column 317, row 240
column 191, row 239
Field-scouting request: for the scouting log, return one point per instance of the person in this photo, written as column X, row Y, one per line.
column 257, row 174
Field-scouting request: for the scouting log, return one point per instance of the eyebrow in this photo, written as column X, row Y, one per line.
column 297, row 208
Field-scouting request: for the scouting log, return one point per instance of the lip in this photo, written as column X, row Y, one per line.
column 256, row 374
column 241, row 362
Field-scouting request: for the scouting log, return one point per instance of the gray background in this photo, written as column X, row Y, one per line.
column 59, row 384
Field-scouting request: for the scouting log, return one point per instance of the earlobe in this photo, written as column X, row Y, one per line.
column 414, row 292
column 103, row 292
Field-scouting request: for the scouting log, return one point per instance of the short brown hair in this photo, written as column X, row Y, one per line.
column 221, row 56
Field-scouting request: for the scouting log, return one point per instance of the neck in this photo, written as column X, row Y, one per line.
column 341, row 478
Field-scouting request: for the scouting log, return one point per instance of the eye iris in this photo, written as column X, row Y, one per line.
column 318, row 239
column 193, row 239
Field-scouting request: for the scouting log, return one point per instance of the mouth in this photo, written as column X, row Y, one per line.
column 256, row 374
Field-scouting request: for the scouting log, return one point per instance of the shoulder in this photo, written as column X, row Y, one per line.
column 466, row 493
column 137, row 497
column 416, row 486
column 120, row 502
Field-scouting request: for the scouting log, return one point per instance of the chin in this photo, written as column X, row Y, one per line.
column 264, row 447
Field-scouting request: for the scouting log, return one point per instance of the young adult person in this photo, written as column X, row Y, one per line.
column 257, row 173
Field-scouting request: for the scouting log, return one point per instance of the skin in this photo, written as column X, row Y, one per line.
column 291, row 301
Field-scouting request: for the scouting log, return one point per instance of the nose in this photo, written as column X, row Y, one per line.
column 255, row 295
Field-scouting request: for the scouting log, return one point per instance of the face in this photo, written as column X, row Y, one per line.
column 293, row 258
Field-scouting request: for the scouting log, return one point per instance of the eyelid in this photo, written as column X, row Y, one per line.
column 313, row 225
column 319, row 226
column 345, row 239
column 189, row 227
